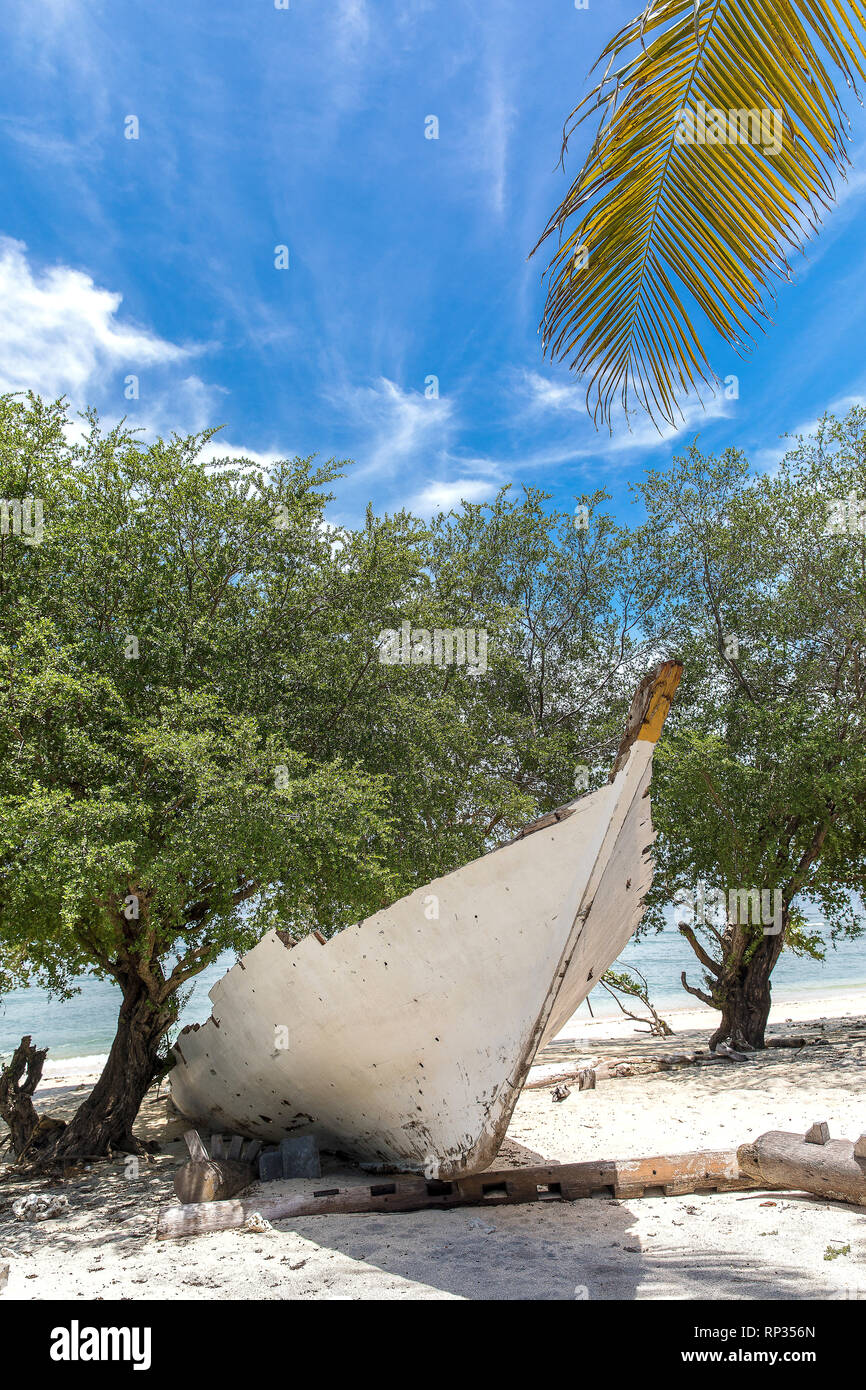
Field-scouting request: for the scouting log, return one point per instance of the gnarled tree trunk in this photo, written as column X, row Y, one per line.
column 104, row 1120
column 18, row 1081
column 739, row 984
column 744, row 996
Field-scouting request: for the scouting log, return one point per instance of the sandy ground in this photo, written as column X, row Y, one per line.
column 736, row 1245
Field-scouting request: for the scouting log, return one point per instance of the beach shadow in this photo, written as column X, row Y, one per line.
column 585, row 1250
column 543, row 1251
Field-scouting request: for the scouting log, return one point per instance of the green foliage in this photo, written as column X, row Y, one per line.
column 761, row 778
column 195, row 724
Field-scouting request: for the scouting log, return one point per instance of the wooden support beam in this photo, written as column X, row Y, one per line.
column 713, row 1170
column 197, row 1151
column 211, row 1179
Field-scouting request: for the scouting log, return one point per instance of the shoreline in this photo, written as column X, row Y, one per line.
column 703, row 1019
column 85, row 1070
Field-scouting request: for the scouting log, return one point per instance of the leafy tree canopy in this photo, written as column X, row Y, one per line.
column 761, row 781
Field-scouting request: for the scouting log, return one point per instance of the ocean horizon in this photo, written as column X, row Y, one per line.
column 82, row 1028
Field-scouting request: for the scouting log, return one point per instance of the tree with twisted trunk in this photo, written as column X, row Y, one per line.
column 759, row 788
column 18, row 1081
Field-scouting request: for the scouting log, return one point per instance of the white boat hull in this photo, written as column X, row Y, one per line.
column 405, row 1040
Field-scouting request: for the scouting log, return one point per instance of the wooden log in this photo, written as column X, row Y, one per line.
column 549, row 1073
column 211, row 1179
column 690, row 1172
column 788, row 1161
column 860, row 1147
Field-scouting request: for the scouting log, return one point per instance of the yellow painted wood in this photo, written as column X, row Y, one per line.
column 660, row 702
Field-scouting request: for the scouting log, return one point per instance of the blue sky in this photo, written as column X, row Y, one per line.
column 305, row 127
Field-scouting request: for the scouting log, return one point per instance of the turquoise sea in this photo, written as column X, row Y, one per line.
column 83, row 1027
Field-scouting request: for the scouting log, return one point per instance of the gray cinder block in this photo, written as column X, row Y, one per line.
column 300, row 1157
column 270, row 1165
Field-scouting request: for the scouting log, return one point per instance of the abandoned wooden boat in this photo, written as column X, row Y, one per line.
column 405, row 1040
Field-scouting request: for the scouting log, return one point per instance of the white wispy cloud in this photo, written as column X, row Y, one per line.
column 68, row 38
column 221, row 450
column 816, row 242
column 441, row 497
column 397, row 429
column 767, row 460
column 495, row 137
column 404, row 446
column 544, row 396
column 60, row 333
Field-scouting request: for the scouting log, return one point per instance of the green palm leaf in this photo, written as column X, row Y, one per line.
column 656, row 224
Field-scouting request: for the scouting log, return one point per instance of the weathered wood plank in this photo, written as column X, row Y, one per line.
column 212, row 1180
column 195, row 1145
column 691, row 1172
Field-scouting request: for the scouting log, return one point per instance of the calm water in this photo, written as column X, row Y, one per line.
column 84, row 1025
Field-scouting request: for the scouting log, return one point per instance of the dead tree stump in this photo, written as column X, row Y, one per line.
column 16, row 1095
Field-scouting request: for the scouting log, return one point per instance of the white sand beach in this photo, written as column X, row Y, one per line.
column 839, row 1004
column 738, row 1245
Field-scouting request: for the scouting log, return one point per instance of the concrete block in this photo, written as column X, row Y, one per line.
column 270, row 1165
column 300, row 1157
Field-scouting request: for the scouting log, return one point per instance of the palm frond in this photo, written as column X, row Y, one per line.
column 657, row 225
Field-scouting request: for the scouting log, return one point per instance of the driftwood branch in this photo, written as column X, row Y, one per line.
column 613, row 1067
column 18, row 1081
